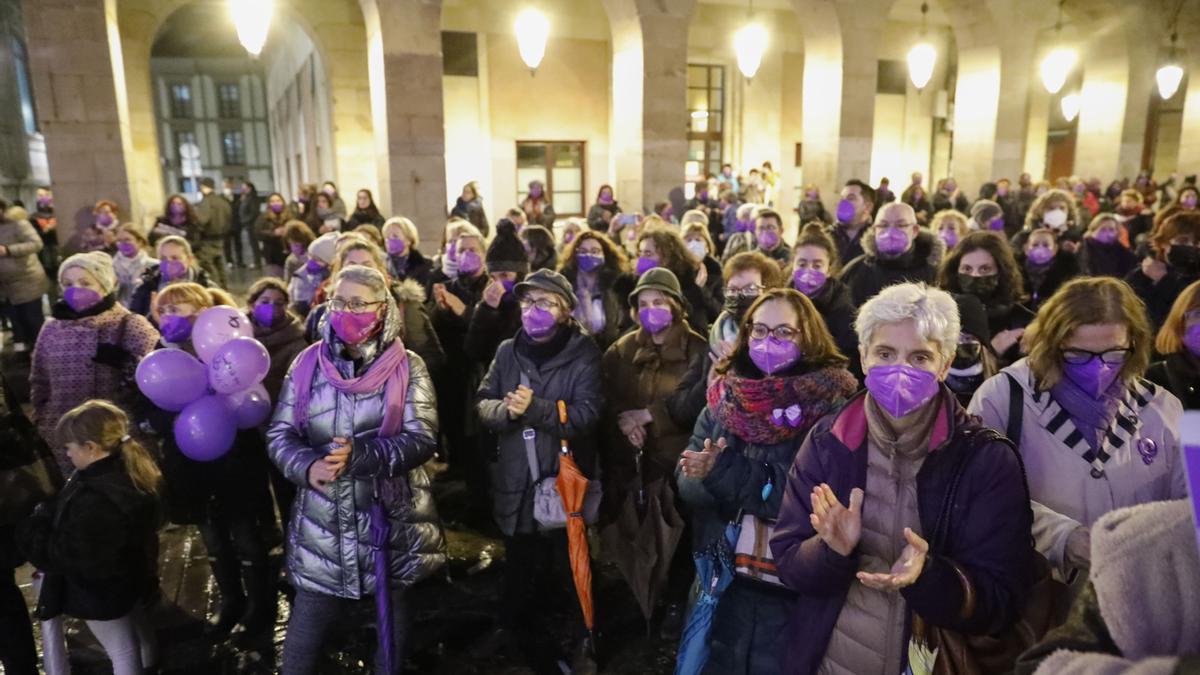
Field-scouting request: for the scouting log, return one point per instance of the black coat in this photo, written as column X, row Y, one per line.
column 848, row 247
column 1179, row 373
column 1063, row 268
column 616, row 288
column 364, row 218
column 1106, row 260
column 704, row 304
column 1159, row 297
column 836, row 306
column 868, row 274
column 96, row 542
column 152, row 281
column 489, row 327
column 414, row 266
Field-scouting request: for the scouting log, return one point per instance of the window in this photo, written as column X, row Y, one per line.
column 229, row 100
column 705, row 99
column 181, row 100
column 459, row 54
column 559, row 166
column 233, row 147
column 24, row 90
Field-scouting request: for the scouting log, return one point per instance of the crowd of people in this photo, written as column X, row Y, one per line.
column 919, row 417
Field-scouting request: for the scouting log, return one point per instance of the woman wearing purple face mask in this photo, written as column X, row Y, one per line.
column 1179, row 342
column 497, row 316
column 1102, row 252
column 950, row 226
column 643, row 434
column 404, row 259
column 811, row 208
column 101, row 234
column 89, row 348
column 856, row 531
column 175, row 263
column 815, row 271
column 536, row 205
column 1045, row 267
column 550, row 360
column 1094, row 434
column 769, row 237
column 131, row 261
column 604, row 210
column 599, row 273
column 896, row 250
column 178, row 218
column 270, row 227
column 702, row 291
column 784, row 374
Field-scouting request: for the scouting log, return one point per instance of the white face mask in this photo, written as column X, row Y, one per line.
column 1055, row 218
column 697, row 248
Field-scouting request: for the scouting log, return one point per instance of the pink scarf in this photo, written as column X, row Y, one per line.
column 390, row 369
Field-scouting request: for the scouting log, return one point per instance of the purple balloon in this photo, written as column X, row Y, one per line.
column 216, row 326
column 171, row 378
column 239, row 364
column 206, row 428
column 251, row 406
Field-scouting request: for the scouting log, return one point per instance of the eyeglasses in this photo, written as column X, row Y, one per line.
column 1112, row 357
column 544, row 304
column 884, row 226
column 760, row 331
column 751, row 291
column 353, row 305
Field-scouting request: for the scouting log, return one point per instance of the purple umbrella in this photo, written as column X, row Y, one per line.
column 380, row 529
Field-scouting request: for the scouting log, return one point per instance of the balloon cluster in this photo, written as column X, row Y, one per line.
column 216, row 394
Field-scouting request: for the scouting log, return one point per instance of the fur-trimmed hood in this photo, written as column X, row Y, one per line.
column 928, row 246
column 408, row 291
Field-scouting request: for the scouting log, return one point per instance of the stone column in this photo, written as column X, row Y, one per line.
column 862, row 26
column 404, row 52
column 976, row 107
column 75, row 60
column 649, row 96
column 1103, row 100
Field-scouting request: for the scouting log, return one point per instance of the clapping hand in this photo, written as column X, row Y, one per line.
column 905, row 571
column 518, row 401
column 838, row 526
column 327, row 469
column 698, row 464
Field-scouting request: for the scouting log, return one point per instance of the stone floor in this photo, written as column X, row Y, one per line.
column 450, row 613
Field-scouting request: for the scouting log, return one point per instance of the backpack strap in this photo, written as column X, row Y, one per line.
column 1016, row 410
column 530, row 437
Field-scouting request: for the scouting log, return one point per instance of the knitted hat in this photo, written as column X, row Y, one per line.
column 973, row 317
column 208, row 182
column 984, row 210
column 506, row 253
column 657, row 279
column 551, row 282
column 97, row 263
column 324, row 247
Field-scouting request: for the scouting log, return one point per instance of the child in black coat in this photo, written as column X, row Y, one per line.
column 96, row 542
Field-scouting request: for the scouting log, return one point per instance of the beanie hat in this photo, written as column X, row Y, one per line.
column 506, row 253
column 97, row 263
column 208, row 182
column 551, row 282
column 973, row 317
column 657, row 279
column 984, row 210
column 324, row 247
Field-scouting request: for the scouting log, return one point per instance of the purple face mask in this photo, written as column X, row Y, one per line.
column 744, row 225
column 267, row 314
column 1188, row 202
column 509, row 285
column 176, row 209
column 353, row 328
column 808, row 281
column 1191, row 339
column 45, row 202
column 104, row 219
column 605, row 198
column 452, row 251
column 645, row 264
column 469, row 263
column 768, row 239
column 276, row 207
column 1106, row 236
column 1093, row 377
column 845, row 211
column 588, row 262
column 176, row 329
column 172, row 269
column 655, row 319
column 892, row 241
column 537, row 322
column 996, row 224
column 901, row 389
column 396, row 246
column 1040, row 255
column 773, row 355
column 297, row 249
column 79, row 298
column 127, row 249
column 535, row 191
column 314, row 266
column 948, row 237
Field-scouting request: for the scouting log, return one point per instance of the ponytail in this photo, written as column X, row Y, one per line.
column 140, row 466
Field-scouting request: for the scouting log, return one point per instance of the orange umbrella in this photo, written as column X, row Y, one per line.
column 572, row 488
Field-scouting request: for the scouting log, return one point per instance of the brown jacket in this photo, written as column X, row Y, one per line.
column 22, row 278
column 639, row 374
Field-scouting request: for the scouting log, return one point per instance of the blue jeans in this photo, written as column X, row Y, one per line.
column 314, row 614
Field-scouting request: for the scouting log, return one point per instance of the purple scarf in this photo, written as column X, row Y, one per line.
column 1091, row 417
column 390, row 369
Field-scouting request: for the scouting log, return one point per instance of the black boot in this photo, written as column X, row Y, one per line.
column 228, row 575
column 260, row 600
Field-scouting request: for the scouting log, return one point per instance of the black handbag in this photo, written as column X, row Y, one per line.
column 28, row 472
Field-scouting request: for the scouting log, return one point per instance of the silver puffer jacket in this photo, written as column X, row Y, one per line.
column 329, row 535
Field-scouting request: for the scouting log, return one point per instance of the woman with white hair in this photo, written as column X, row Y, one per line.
column 89, row 349
column 899, row 503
